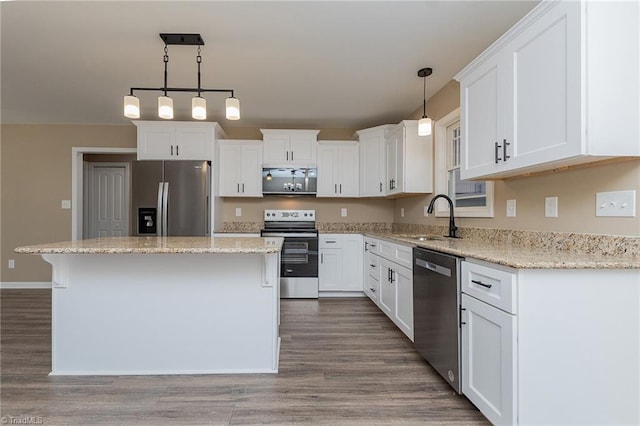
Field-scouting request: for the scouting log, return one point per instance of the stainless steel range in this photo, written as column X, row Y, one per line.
column 299, row 256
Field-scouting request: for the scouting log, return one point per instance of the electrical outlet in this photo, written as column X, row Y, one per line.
column 426, row 211
column 343, row 212
column 511, row 208
column 12, row 263
column 551, row 207
column 238, row 211
column 65, row 204
column 616, row 203
column 401, row 211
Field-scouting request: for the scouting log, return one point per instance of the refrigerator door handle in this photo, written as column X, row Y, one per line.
column 159, row 218
column 165, row 209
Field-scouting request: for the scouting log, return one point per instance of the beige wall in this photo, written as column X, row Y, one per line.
column 36, row 176
column 575, row 189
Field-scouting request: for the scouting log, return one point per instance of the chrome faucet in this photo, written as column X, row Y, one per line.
column 452, row 222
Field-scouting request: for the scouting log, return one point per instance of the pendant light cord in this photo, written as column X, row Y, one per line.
column 199, row 61
column 165, row 58
column 424, row 98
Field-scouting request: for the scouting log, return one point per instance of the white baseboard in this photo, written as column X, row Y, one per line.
column 341, row 294
column 25, row 284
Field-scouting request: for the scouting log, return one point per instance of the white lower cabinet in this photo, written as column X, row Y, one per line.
column 551, row 346
column 488, row 359
column 390, row 282
column 340, row 264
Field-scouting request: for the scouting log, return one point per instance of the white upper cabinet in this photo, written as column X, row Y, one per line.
column 296, row 148
column 409, row 160
column 373, row 160
column 559, row 88
column 176, row 140
column 338, row 169
column 240, row 168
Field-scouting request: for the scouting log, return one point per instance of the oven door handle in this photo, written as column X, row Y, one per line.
column 289, row 234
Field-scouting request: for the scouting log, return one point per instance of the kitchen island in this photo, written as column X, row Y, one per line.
column 164, row 305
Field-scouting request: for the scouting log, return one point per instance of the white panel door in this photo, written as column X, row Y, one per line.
column 352, row 256
column 303, row 150
column 387, row 295
column 372, row 165
column 327, row 171
column 109, row 201
column 275, row 149
column 251, row 171
column 348, row 171
column 330, row 270
column 229, row 169
column 193, row 143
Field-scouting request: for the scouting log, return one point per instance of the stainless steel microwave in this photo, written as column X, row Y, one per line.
column 289, row 181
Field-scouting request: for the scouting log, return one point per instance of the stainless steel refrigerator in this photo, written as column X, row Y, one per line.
column 171, row 198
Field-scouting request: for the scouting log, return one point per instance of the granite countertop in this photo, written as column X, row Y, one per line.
column 159, row 245
column 516, row 255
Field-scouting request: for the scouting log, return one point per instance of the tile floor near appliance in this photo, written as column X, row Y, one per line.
column 341, row 362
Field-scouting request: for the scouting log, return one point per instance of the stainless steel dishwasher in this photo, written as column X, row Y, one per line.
column 436, row 308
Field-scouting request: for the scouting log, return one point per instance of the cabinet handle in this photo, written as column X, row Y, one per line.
column 321, row 257
column 330, row 241
column 462, row 322
column 393, row 278
column 504, row 150
column 172, row 150
column 481, row 283
column 341, row 188
column 238, row 185
column 372, row 245
column 335, row 188
column 373, row 290
column 497, row 147
column 372, row 265
column 388, row 275
column 287, row 155
column 366, row 246
column 243, row 188
column 177, row 150
column 291, row 155
column 380, row 186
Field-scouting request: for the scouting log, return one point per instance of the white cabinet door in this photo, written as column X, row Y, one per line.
column 327, row 185
column 352, row 258
column 251, row 169
column 330, row 270
column 387, row 296
column 193, row 143
column 303, row 149
column 403, row 312
column 372, row 167
column 275, row 149
column 156, row 143
column 240, row 168
column 348, row 170
column 489, row 360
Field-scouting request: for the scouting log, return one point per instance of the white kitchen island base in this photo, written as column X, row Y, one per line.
column 116, row 314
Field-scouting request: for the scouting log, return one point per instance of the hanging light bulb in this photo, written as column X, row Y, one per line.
column 424, row 124
column 199, row 108
column 165, row 107
column 233, row 108
column 131, row 107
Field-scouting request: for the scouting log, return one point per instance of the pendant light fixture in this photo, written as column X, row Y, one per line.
column 165, row 103
column 424, row 124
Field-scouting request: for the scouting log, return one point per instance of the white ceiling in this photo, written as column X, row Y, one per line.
column 315, row 64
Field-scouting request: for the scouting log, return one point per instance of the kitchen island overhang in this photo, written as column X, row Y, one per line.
column 164, row 305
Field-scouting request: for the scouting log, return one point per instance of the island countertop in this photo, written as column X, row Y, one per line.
column 159, row 245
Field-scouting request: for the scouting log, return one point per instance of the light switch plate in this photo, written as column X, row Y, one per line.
column 426, row 212
column 65, row 204
column 401, row 211
column 511, row 208
column 551, row 207
column 343, row 212
column 616, row 203
column 238, row 211
column 12, row 263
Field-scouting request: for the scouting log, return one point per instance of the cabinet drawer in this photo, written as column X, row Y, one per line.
column 398, row 253
column 330, row 241
column 493, row 285
column 372, row 265
column 371, row 245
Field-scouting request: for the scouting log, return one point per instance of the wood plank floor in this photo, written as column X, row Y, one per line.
column 342, row 362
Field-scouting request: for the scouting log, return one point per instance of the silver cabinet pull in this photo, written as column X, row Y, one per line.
column 504, row 150
column 495, row 153
column 177, row 150
column 171, row 149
